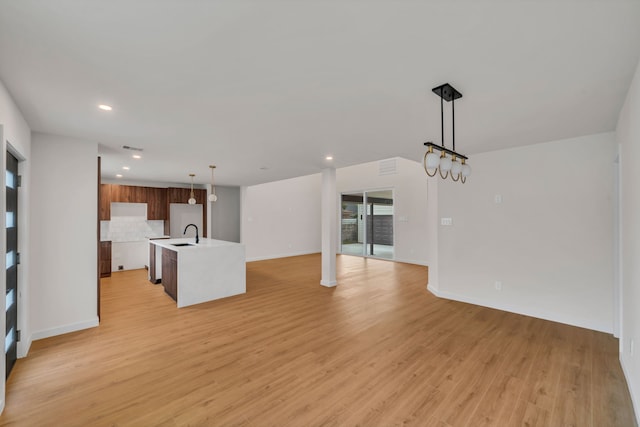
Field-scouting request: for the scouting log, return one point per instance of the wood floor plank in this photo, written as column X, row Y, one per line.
column 377, row 350
column 609, row 387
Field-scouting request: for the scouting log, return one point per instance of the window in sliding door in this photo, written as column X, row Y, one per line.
column 367, row 224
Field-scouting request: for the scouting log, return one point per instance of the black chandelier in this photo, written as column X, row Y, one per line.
column 456, row 165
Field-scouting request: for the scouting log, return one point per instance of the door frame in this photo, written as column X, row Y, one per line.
column 11, row 271
column 22, row 221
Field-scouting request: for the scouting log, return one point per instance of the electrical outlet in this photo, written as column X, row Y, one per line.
column 498, row 285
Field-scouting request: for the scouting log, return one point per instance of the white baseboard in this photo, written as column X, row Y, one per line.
column 24, row 345
column 65, row 329
column 403, row 260
column 634, row 400
column 525, row 311
column 411, row 261
column 287, row 255
column 291, row 254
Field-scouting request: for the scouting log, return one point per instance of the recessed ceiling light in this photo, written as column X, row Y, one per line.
column 105, row 107
column 118, row 175
column 137, row 156
column 125, row 168
column 329, row 158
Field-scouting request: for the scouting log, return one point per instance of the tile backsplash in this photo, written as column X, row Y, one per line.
column 130, row 229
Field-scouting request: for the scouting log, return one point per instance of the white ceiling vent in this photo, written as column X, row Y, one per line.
column 387, row 167
column 127, row 147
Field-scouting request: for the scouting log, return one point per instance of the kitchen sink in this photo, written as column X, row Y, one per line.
column 183, row 244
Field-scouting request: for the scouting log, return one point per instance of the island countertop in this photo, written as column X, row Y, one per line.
column 210, row 270
column 202, row 244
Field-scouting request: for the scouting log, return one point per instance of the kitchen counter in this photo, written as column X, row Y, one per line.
column 210, row 270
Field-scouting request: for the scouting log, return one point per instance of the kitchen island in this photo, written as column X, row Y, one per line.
column 195, row 273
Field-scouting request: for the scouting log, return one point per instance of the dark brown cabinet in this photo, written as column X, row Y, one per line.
column 119, row 193
column 105, row 259
column 181, row 195
column 127, row 194
column 156, row 203
column 170, row 272
column 105, row 202
column 155, row 198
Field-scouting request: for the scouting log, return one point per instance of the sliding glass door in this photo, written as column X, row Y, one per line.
column 367, row 224
column 352, row 224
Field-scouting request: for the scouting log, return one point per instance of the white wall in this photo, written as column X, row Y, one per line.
column 63, row 235
column 414, row 204
column 281, row 218
column 224, row 215
column 628, row 136
column 15, row 135
column 129, row 255
column 183, row 214
column 549, row 242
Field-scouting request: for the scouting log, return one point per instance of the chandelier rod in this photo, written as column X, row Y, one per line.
column 453, row 123
column 442, row 115
column 445, row 149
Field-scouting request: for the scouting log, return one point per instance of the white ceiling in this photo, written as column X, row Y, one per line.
column 281, row 84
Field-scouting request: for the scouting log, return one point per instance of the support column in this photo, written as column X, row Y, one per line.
column 329, row 227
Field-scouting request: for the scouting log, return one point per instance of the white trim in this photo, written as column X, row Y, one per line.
column 634, row 400
column 540, row 314
column 23, row 350
column 410, row 261
column 328, row 284
column 263, row 258
column 617, row 248
column 65, row 329
column 405, row 261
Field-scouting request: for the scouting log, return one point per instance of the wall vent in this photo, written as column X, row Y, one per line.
column 387, row 167
column 127, row 147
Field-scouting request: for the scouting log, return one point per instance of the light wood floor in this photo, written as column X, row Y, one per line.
column 378, row 350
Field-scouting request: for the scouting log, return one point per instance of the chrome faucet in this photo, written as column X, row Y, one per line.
column 196, row 227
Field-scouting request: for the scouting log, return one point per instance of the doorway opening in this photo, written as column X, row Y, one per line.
column 366, row 224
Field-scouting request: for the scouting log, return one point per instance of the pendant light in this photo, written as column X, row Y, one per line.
column 192, row 199
column 212, row 196
column 456, row 165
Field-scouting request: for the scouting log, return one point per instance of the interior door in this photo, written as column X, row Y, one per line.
column 11, row 225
